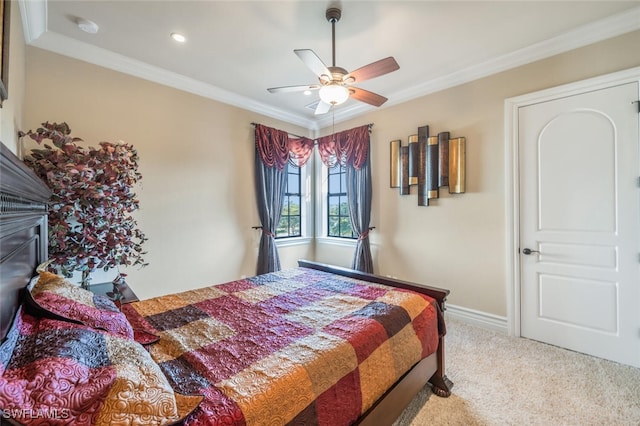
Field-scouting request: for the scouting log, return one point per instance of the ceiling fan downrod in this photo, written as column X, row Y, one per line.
column 333, row 15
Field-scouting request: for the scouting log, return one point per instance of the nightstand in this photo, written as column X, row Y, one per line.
column 128, row 295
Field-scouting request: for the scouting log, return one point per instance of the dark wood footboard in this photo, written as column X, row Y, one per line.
column 429, row 370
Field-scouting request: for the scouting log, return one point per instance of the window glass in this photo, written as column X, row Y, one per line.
column 293, row 182
column 290, row 220
column 338, row 221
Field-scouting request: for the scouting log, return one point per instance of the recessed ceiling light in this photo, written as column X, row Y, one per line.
column 87, row 26
column 307, row 92
column 178, row 37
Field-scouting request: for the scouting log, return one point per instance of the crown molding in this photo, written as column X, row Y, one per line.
column 34, row 17
column 603, row 29
column 73, row 48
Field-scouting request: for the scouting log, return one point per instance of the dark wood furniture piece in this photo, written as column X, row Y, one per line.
column 430, row 370
column 23, row 231
column 23, row 246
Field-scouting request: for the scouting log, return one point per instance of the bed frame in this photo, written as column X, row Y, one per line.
column 430, row 370
column 23, row 246
column 23, row 231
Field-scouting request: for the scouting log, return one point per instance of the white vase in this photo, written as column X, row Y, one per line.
column 96, row 277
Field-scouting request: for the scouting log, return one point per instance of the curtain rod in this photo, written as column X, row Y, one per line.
column 370, row 125
column 289, row 133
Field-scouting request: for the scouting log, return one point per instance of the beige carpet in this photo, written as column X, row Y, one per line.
column 501, row 380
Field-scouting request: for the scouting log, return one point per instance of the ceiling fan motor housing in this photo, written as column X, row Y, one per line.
column 336, row 77
column 333, row 14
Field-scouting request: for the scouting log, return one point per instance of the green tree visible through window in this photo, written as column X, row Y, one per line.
column 339, row 224
column 289, row 225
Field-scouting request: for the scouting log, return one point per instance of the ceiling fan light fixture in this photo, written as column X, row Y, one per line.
column 334, row 94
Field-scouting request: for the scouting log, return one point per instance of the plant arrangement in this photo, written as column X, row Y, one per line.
column 90, row 213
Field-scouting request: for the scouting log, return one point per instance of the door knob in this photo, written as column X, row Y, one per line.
column 528, row 251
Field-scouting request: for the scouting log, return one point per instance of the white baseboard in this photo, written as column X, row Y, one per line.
column 478, row 318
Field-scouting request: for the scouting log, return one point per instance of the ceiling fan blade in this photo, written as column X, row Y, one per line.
column 322, row 108
column 374, row 69
column 313, row 62
column 366, row 96
column 287, row 89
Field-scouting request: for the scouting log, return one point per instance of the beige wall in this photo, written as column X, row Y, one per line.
column 12, row 109
column 197, row 154
column 196, row 157
column 458, row 242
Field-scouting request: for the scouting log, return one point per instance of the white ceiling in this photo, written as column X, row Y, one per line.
column 235, row 50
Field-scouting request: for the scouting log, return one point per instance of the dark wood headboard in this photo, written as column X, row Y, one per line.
column 23, row 231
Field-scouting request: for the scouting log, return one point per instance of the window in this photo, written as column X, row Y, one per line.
column 291, row 218
column 339, row 222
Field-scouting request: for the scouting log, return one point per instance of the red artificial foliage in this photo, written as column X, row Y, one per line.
column 90, row 221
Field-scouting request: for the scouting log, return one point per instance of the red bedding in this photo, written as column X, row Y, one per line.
column 292, row 347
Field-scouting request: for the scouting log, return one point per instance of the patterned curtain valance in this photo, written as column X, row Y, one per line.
column 276, row 147
column 349, row 147
column 300, row 150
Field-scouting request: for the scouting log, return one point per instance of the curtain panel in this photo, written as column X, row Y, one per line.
column 349, row 148
column 273, row 149
column 359, row 194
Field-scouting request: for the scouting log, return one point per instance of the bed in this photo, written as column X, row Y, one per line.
column 195, row 347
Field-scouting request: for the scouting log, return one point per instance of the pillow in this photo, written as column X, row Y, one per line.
column 60, row 372
column 56, row 298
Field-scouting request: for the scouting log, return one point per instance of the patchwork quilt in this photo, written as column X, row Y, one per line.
column 292, row 347
column 55, row 372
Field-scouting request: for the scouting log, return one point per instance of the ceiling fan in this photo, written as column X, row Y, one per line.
column 335, row 85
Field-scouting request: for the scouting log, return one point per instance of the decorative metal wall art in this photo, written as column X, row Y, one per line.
column 457, row 148
column 428, row 162
column 404, row 170
column 395, row 163
column 413, row 159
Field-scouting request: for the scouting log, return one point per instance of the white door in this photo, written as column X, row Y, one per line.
column 579, row 237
